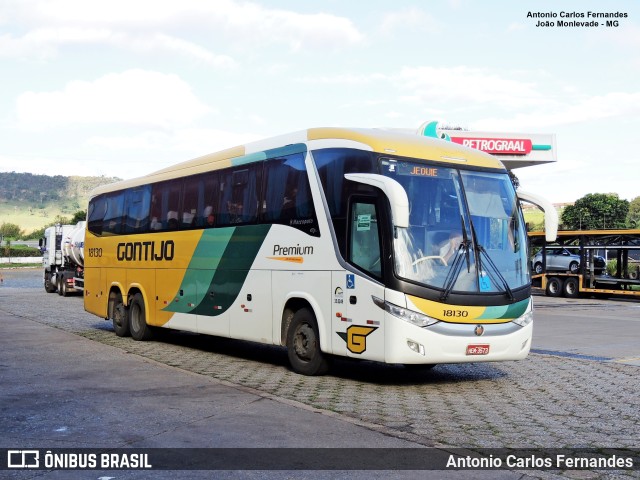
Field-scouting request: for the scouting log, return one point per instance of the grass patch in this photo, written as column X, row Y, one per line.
column 20, row 265
column 534, row 218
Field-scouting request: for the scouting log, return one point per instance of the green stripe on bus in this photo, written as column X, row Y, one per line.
column 218, row 269
column 203, row 264
column 272, row 153
column 232, row 270
column 505, row 312
column 251, row 158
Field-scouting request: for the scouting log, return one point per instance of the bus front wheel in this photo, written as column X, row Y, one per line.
column 303, row 345
column 138, row 319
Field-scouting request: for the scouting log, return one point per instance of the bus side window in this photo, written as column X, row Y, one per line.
column 211, row 194
column 136, row 218
column 192, row 200
column 97, row 210
column 239, row 196
column 287, row 198
column 172, row 209
column 113, row 217
column 165, row 205
column 332, row 164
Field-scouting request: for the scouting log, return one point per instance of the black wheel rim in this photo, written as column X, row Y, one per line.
column 304, row 342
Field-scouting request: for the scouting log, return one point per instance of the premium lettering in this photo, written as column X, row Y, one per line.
column 145, row 251
column 292, row 250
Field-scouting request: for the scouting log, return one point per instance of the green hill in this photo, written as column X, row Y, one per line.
column 33, row 201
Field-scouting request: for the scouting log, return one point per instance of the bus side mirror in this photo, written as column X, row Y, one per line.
column 550, row 213
column 392, row 189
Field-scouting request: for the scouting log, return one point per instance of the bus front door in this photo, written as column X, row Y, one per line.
column 364, row 328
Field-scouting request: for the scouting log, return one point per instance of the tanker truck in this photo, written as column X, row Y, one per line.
column 63, row 258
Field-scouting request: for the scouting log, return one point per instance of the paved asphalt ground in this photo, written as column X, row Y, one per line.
column 66, row 381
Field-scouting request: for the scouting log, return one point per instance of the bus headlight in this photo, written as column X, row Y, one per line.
column 410, row 316
column 525, row 319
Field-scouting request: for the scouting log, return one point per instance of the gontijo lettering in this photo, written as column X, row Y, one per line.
column 145, row 251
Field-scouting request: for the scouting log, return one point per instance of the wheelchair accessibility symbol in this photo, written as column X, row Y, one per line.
column 351, row 281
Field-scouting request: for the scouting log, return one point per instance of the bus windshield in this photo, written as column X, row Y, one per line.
column 465, row 231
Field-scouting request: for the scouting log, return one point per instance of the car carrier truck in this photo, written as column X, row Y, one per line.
column 63, row 258
column 607, row 262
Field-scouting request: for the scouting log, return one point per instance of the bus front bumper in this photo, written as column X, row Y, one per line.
column 455, row 343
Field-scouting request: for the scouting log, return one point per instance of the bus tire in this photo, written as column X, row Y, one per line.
column 118, row 314
column 303, row 344
column 138, row 319
column 570, row 287
column 554, row 287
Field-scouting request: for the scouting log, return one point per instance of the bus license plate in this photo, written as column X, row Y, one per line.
column 477, row 349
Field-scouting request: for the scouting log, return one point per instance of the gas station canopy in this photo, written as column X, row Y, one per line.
column 515, row 150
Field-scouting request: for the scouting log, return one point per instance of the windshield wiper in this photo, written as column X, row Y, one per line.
column 479, row 252
column 456, row 266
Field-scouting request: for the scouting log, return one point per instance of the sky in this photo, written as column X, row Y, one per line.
column 123, row 88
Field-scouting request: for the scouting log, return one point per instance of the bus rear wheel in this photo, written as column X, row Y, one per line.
column 119, row 314
column 138, row 319
column 554, row 287
column 303, row 345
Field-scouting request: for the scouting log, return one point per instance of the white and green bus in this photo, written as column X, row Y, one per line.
column 332, row 242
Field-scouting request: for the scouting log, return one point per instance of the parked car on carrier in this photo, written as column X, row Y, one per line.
column 561, row 259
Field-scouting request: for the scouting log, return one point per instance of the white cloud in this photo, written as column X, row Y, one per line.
column 598, row 107
column 246, row 21
column 134, row 97
column 409, row 19
column 318, row 30
column 185, row 142
column 45, row 42
column 343, row 79
column 460, row 86
column 466, row 84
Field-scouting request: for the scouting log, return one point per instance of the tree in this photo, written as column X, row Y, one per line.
column 633, row 217
column 10, row 230
column 79, row 216
column 596, row 211
column 515, row 180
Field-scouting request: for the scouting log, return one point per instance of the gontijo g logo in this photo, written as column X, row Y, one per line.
column 356, row 337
